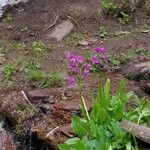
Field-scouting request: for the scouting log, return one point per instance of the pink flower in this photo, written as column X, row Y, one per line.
column 100, row 50
column 95, row 60
column 74, row 67
column 87, row 66
column 86, row 70
column 71, row 80
column 74, row 57
column 79, row 59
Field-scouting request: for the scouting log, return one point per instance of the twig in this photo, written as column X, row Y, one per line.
column 69, row 17
column 24, row 94
column 51, row 25
column 51, row 132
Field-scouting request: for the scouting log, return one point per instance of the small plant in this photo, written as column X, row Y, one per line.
column 39, row 47
column 9, row 70
column 102, row 32
column 124, row 19
column 102, row 129
column 140, row 115
column 116, row 60
column 28, row 65
column 40, row 79
column 109, row 6
column 10, row 18
column 37, row 77
column 19, row 46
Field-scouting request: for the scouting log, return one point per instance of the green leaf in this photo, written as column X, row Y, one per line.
column 128, row 146
column 80, row 126
column 110, row 148
column 121, row 88
column 72, row 141
column 107, row 93
column 64, row 147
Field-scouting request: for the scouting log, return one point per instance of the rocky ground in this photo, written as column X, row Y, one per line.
column 36, row 34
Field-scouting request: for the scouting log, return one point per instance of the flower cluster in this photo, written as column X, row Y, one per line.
column 78, row 64
column 102, row 51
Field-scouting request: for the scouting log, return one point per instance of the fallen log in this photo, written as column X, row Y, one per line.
column 139, row 131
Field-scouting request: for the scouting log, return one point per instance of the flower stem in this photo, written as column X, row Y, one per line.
column 85, row 108
column 83, row 105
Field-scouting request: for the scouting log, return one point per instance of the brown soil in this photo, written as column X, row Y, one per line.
column 29, row 23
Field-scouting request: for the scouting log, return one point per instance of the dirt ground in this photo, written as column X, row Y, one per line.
column 30, row 22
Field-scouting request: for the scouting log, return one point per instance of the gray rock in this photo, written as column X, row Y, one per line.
column 6, row 140
column 139, row 71
column 145, row 86
column 45, row 95
column 141, row 132
column 62, row 30
column 83, row 43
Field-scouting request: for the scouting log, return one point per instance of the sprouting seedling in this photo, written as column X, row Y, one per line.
column 102, row 32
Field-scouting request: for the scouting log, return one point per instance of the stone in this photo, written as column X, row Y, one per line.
column 15, row 107
column 145, row 86
column 45, row 95
column 139, row 131
column 93, row 40
column 39, row 94
column 85, row 48
column 62, row 30
column 72, row 105
column 6, row 139
column 139, row 71
column 83, row 43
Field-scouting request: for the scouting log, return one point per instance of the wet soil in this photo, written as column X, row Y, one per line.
column 54, row 106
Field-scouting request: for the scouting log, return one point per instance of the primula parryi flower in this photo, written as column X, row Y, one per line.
column 71, row 80
column 87, row 66
column 103, row 51
column 95, row 60
column 70, row 56
column 74, row 67
column 100, row 50
column 77, row 64
column 86, row 70
column 74, row 57
column 79, row 59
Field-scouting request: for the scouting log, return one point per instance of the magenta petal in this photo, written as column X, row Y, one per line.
column 99, row 50
column 74, row 67
column 95, row 60
column 80, row 59
column 71, row 80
